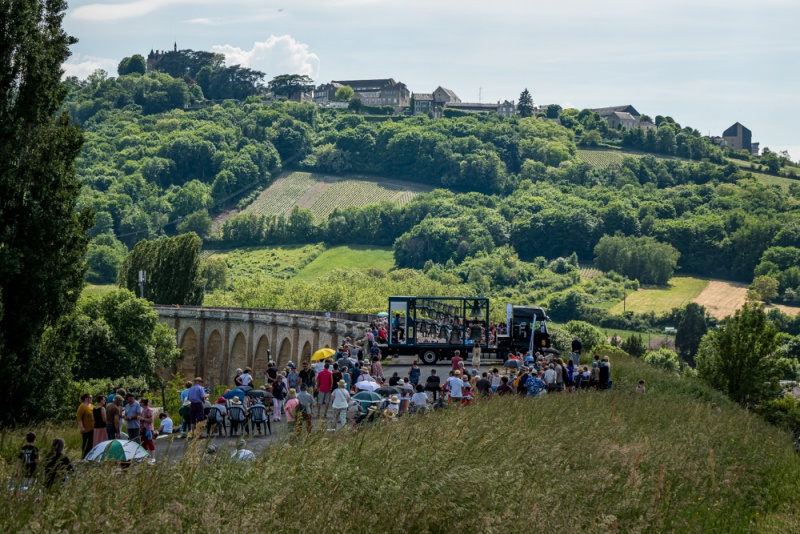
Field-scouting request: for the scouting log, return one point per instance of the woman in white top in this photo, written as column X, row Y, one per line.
column 247, row 379
column 340, row 403
column 419, row 400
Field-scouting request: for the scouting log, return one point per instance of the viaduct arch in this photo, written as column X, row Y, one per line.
column 217, row 341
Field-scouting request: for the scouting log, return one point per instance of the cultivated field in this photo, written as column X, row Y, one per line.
column 722, row 298
column 280, row 262
column 323, row 193
column 587, row 273
column 348, row 257
column 681, row 291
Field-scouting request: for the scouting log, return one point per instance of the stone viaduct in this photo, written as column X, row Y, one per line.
column 218, row 340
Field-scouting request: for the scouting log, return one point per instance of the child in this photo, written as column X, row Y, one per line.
column 29, row 459
column 640, row 389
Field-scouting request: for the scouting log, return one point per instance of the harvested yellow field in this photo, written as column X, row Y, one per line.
column 722, row 298
column 791, row 311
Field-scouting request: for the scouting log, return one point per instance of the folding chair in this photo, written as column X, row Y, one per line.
column 215, row 417
column 236, row 418
column 258, row 418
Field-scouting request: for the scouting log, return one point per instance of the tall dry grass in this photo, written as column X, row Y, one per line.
column 680, row 458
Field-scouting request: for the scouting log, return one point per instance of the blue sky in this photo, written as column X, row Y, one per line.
column 706, row 63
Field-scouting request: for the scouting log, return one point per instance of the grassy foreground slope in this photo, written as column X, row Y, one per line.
column 670, row 460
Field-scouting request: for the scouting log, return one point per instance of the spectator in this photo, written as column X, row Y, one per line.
column 324, row 388
column 394, row 379
column 272, row 374
column 278, row 394
column 132, row 411
column 594, row 376
column 196, row 397
column 504, row 388
column 419, row 401
column 433, row 384
column 550, row 377
column 113, row 424
column 454, row 386
column 291, row 410
column 293, row 378
column 414, row 374
column 185, row 393
column 86, row 423
column 241, row 454
column 476, row 357
column 577, row 347
column 570, row 379
column 100, row 421
column 376, row 369
column 340, row 402
column 640, row 389
column 455, row 361
column 303, row 412
column 605, row 374
column 28, row 459
column 166, row 426
column 483, row 385
column 307, row 376
column 56, row 465
column 495, row 380
column 237, row 380
column 535, row 386
column 186, row 424
column 147, row 431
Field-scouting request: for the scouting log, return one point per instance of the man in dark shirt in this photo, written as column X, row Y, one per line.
column 483, row 385
column 272, row 373
column 29, row 458
column 433, row 384
column 307, row 376
column 504, row 388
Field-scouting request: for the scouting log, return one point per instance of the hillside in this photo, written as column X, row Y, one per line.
column 680, row 458
column 322, row 193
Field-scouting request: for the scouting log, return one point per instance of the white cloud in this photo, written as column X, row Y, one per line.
column 83, row 66
column 280, row 54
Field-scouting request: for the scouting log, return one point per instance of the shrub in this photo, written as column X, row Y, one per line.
column 663, row 359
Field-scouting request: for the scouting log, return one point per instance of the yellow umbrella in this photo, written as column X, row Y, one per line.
column 321, row 354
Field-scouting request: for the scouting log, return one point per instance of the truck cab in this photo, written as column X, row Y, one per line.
column 526, row 329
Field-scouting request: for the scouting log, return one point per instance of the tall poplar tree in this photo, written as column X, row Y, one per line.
column 42, row 236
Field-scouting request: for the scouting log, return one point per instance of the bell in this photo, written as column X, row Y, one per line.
column 422, row 327
column 475, row 334
column 443, row 332
column 455, row 336
column 475, row 312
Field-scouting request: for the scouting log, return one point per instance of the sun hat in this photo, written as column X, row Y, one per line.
column 342, row 384
column 198, row 379
column 236, row 400
column 389, row 413
column 292, row 393
column 457, row 373
column 394, row 400
column 247, row 370
column 220, row 400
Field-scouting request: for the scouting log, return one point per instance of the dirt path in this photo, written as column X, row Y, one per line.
column 722, row 298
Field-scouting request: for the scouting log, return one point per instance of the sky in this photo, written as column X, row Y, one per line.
column 705, row 63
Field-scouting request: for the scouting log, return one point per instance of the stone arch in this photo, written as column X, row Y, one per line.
column 262, row 356
column 213, row 368
column 187, row 366
column 305, row 355
column 285, row 353
column 238, row 357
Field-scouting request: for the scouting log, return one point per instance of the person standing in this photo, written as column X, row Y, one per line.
column 131, row 414
column 455, row 361
column 278, row 394
column 495, row 380
column 185, row 393
column 196, row 397
column 113, row 427
column 303, row 410
column 577, row 347
column 414, row 374
column 29, row 459
column 376, row 369
column 454, row 386
column 146, row 421
column 86, row 423
column 307, row 376
column 100, row 421
column 291, row 411
column 476, row 357
column 340, row 402
column 246, row 379
column 605, row 374
column 324, row 385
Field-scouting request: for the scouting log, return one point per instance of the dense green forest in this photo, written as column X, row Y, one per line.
column 161, row 158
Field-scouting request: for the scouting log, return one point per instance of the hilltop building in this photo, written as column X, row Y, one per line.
column 738, row 138
column 423, row 104
column 504, row 109
column 432, row 103
column 380, row 92
column 155, row 55
column 620, row 116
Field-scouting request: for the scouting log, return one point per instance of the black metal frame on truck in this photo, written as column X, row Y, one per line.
column 435, row 327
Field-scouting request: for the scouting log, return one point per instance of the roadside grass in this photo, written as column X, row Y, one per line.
column 660, row 299
column 91, row 290
column 666, row 461
column 354, row 256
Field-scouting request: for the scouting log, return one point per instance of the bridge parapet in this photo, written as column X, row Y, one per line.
column 217, row 341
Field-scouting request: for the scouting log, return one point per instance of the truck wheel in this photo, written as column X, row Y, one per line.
column 429, row 357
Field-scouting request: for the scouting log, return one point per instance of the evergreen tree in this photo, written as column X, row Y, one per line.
column 690, row 332
column 42, row 235
column 525, row 104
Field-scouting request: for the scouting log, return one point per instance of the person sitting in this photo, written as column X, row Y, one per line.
column 236, row 414
column 640, row 389
column 419, row 401
column 395, row 379
column 433, row 384
column 504, row 388
column 219, row 406
column 166, row 426
column 241, row 454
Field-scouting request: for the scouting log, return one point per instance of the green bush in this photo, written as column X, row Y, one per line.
column 663, row 359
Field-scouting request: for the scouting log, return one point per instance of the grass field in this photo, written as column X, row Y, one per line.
column 323, row 193
column 280, row 262
column 90, row 290
column 681, row 291
column 680, row 458
column 348, row 257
